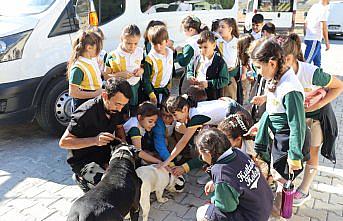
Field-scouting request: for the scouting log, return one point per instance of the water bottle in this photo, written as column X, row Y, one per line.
column 287, row 199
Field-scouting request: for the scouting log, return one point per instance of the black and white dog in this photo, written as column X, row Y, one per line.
column 116, row 195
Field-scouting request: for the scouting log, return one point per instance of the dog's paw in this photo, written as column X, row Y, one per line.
column 162, row 200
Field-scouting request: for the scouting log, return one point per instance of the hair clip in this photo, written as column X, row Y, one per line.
column 185, row 96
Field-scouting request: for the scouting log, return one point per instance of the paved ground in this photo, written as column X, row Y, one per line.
column 36, row 184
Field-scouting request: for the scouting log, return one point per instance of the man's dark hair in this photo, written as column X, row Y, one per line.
column 269, row 27
column 115, row 85
column 257, row 18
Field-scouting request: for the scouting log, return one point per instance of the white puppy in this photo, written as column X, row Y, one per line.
column 156, row 180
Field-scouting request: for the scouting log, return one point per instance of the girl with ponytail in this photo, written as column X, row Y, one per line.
column 192, row 27
column 195, row 115
column 320, row 90
column 284, row 116
column 83, row 71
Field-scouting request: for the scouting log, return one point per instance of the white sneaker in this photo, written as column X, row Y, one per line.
column 300, row 198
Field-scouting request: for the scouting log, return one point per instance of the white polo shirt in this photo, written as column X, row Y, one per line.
column 317, row 14
column 162, row 67
column 228, row 50
column 124, row 61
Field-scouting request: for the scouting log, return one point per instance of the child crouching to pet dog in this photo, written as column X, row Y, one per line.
column 240, row 193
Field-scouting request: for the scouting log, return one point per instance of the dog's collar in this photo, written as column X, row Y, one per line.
column 120, row 153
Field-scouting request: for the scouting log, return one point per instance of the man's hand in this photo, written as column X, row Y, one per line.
column 103, row 139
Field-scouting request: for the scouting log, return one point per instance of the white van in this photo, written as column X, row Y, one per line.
column 35, row 44
column 335, row 20
column 280, row 12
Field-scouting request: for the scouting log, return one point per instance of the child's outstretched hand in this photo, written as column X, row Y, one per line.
column 252, row 131
column 203, row 84
column 209, row 187
column 193, row 81
column 162, row 165
column 259, row 100
column 178, row 170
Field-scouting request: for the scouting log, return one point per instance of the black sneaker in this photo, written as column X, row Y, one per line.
column 81, row 183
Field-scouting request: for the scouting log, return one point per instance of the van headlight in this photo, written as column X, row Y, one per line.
column 12, row 46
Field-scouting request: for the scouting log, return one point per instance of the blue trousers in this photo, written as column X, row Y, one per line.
column 313, row 52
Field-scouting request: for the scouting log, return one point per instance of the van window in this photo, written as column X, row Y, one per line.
column 108, row 10
column 154, row 6
column 275, row 5
column 251, row 6
column 20, row 7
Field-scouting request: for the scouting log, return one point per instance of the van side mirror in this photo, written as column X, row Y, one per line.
column 86, row 13
column 244, row 11
column 305, row 14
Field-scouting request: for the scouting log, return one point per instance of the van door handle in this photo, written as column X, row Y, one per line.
column 278, row 15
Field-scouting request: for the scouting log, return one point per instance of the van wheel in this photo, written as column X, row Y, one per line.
column 55, row 110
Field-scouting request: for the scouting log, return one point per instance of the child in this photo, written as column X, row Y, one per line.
column 240, row 193
column 192, row 28
column 284, row 116
column 137, row 127
column 158, row 66
column 195, row 115
column 268, row 30
column 102, row 54
column 126, row 60
column 208, row 70
column 320, row 116
column 235, row 126
column 315, row 29
column 257, row 24
column 147, row 43
column 227, row 46
column 247, row 72
column 83, row 70
column 215, row 28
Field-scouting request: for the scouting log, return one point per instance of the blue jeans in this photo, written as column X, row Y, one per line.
column 313, row 52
